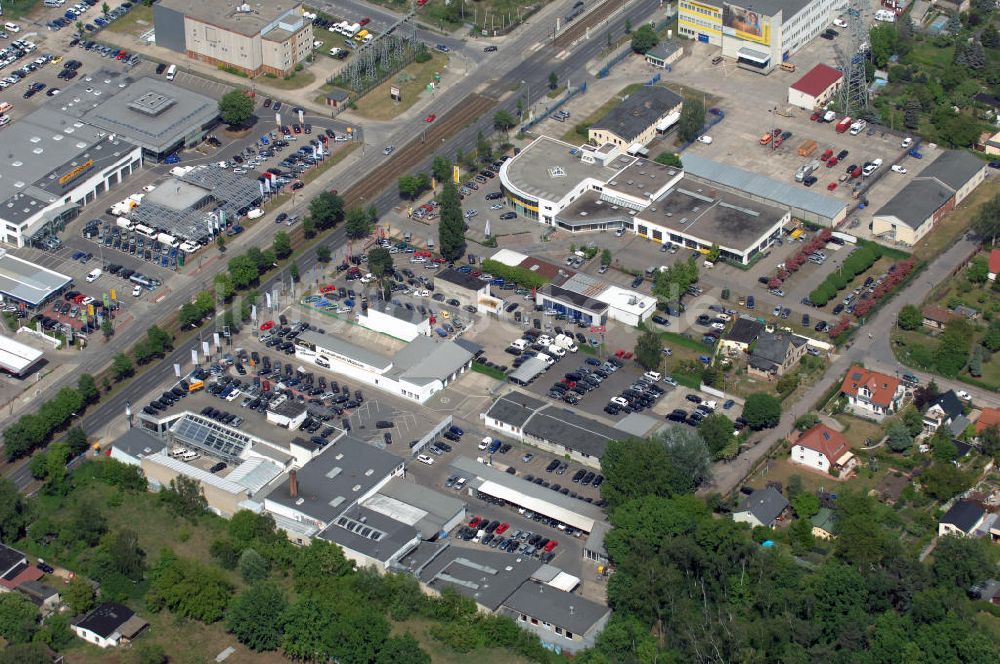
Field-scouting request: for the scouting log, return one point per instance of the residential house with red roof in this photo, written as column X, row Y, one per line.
column 872, row 394
column 818, row 86
column 994, row 268
column 989, row 417
column 823, row 449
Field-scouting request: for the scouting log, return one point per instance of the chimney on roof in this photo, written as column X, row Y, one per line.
column 293, row 483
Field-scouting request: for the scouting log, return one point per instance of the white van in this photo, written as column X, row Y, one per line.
column 171, row 72
column 6, row 107
column 858, row 127
column 11, row 27
column 94, row 274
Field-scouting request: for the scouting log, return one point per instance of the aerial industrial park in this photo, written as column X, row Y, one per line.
column 385, row 331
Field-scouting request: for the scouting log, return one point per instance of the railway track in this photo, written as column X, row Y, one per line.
column 416, row 151
column 578, row 29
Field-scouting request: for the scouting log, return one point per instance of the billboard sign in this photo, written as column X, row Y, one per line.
column 394, row 93
column 745, row 24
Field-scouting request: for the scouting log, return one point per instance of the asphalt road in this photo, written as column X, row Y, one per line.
column 533, row 70
column 869, row 347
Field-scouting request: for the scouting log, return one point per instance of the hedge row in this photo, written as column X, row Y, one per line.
column 857, row 263
column 521, row 276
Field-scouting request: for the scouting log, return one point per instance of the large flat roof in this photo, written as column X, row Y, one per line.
column 261, row 16
column 27, row 282
column 486, row 576
column 916, row 202
column 515, row 408
column 589, row 209
column 557, row 607
column 715, row 216
column 371, row 533
column 154, row 113
column 795, row 197
column 425, row 359
column 335, row 479
column 546, row 169
column 347, row 349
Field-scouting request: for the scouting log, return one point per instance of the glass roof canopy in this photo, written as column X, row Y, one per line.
column 210, row 437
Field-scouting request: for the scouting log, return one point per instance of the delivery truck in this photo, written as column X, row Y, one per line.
column 807, row 148
column 844, row 124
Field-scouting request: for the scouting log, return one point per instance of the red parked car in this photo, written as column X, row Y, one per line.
column 826, row 155
column 475, row 522
column 365, row 21
column 831, row 186
column 551, row 545
column 266, row 325
column 832, row 161
column 502, row 528
column 431, row 118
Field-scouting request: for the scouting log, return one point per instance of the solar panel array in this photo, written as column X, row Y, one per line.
column 210, row 437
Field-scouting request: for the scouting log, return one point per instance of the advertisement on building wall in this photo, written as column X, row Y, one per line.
column 745, row 24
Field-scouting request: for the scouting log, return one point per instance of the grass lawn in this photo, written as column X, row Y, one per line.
column 856, row 430
column 781, row 469
column 135, row 22
column 14, row 9
column 299, row 79
column 412, row 83
column 496, row 374
column 955, row 223
column 927, row 54
column 573, row 137
column 417, row 628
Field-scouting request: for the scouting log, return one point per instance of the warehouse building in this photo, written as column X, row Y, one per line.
column 154, row 114
column 488, row 481
column 252, row 38
column 699, row 217
column 799, row 201
column 931, row 194
column 816, row 88
column 25, row 284
column 59, row 165
column 758, row 35
column 395, row 321
column 635, row 120
column 134, row 444
column 419, row 370
column 198, row 202
column 558, row 430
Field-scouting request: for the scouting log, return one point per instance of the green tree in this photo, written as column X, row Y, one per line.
column 185, row 497
column 899, row 438
column 882, row 39
column 305, row 625
column 357, row 224
column 943, row 447
column 188, row 589
column 252, row 566
column 717, row 432
column 692, row 120
column 451, row 226
column 441, row 168
column 76, row 440
column 989, row 441
column 13, row 512
column 105, row 9
column 800, row 536
column 282, row 245
column 18, row 617
column 87, row 387
column 807, row 421
column 943, row 480
column 910, row 318
column 960, row 562
column 220, row 242
column 402, row 649
column 189, row 316
column 326, row 209
column 236, row 108
column 644, row 39
column 671, row 284
column 323, row 254
column 991, row 340
column 553, row 80
column 380, row 262
column 293, row 272
column 762, row 411
column 411, row 186
column 318, row 564
column 56, row 475
column 256, row 616
column 504, row 121
column 121, row 367
column 668, row 158
column 952, row 352
column 911, row 114
column 244, row 272
column 107, row 329
column 986, row 221
column 806, row 505
column 649, row 350
column 606, row 257
column 78, row 595
column 978, row 270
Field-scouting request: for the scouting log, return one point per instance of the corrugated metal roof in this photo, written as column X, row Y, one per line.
column 781, row 193
column 203, row 476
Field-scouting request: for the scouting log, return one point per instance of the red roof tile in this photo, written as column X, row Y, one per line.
column 818, row 80
column 989, row 417
column 882, row 387
column 826, row 441
column 995, row 261
column 30, row 573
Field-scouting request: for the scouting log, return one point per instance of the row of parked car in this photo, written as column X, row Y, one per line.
column 494, row 534
column 576, row 384
column 638, row 396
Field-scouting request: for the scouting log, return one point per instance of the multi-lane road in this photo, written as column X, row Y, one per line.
column 524, row 60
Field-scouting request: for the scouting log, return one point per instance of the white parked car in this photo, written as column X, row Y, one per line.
column 871, row 167
column 839, row 22
column 136, row 290
column 965, row 396
column 423, row 458
column 719, row 326
column 907, row 142
column 898, row 169
column 94, row 274
column 652, row 375
column 558, row 351
column 707, row 140
column 486, row 443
